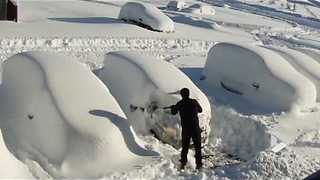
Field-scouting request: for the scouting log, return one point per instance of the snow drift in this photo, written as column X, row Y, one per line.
column 259, row 76
column 143, row 85
column 56, row 112
column 147, row 16
column 306, row 65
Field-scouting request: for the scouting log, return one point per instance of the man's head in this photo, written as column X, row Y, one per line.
column 184, row 92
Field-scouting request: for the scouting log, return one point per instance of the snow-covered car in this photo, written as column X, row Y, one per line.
column 176, row 5
column 145, row 88
column 201, row 9
column 259, row 76
column 56, row 111
column 303, row 63
column 147, row 16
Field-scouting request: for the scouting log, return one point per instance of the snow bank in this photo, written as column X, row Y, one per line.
column 259, row 76
column 268, row 165
column 303, row 63
column 146, row 15
column 143, row 85
column 48, row 98
column 239, row 135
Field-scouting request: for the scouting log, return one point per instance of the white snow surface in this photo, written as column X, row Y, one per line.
column 12, row 168
column 146, row 14
column 71, row 108
column 152, row 87
column 258, row 75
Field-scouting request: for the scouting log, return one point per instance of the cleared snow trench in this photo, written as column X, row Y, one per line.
column 49, row 98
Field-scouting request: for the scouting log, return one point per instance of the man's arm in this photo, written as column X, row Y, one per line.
column 174, row 109
column 199, row 108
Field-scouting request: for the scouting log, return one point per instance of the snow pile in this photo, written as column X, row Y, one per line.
column 49, row 98
column 269, row 165
column 303, row 63
column 11, row 168
column 309, row 138
column 259, row 76
column 146, row 15
column 143, row 85
column 176, row 5
column 239, row 135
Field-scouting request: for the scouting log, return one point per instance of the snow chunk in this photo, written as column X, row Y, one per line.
column 146, row 15
column 258, row 76
column 49, row 98
column 143, row 85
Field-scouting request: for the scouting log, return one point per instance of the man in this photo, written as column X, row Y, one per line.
column 12, row 11
column 3, row 9
column 188, row 109
column 8, row 10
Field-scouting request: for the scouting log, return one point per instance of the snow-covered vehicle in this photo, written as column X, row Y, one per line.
column 143, row 86
column 176, row 5
column 56, row 112
column 303, row 63
column 259, row 76
column 201, row 9
column 147, row 16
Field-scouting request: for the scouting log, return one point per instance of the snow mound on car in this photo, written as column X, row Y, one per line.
column 146, row 15
column 143, row 85
column 48, row 98
column 258, row 76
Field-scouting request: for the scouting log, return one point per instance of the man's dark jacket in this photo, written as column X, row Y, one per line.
column 188, row 110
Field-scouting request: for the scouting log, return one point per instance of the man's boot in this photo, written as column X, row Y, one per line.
column 182, row 166
column 199, row 167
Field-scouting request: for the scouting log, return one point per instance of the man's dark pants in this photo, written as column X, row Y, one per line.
column 187, row 135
